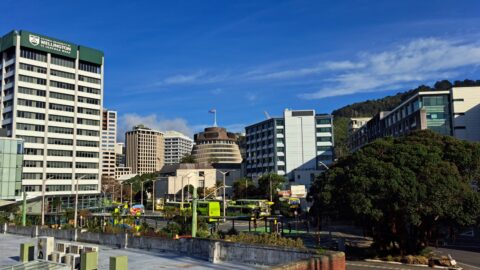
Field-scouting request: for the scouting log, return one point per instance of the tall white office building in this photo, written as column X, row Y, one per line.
column 51, row 97
column 298, row 145
column 108, row 143
column 177, row 145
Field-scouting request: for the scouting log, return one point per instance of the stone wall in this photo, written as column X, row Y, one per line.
column 211, row 250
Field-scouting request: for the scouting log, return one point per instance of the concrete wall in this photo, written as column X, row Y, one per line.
column 211, row 250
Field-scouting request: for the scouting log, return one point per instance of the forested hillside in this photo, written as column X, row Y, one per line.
column 369, row 108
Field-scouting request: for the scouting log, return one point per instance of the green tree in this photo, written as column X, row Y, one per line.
column 268, row 184
column 188, row 158
column 244, row 188
column 403, row 190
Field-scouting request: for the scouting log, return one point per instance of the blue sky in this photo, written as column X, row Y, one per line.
column 168, row 63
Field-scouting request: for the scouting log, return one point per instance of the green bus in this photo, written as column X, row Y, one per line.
column 249, row 208
column 209, row 208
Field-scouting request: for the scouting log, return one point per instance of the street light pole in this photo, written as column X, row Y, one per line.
column 76, row 201
column 153, row 196
column 141, row 195
column 131, row 195
column 43, row 200
column 224, row 173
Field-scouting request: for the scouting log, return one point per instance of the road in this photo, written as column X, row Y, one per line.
column 468, row 260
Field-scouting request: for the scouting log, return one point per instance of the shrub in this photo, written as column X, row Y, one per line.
column 266, row 240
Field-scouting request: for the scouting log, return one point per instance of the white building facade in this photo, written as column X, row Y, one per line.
column 177, row 145
column 298, row 145
column 51, row 97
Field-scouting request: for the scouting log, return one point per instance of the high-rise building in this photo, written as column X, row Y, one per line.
column 454, row 112
column 11, row 159
column 108, row 143
column 216, row 145
column 145, row 150
column 52, row 99
column 298, row 145
column 120, row 160
column 177, row 145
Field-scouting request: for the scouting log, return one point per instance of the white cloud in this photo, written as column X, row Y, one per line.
column 419, row 60
column 129, row 120
column 183, row 79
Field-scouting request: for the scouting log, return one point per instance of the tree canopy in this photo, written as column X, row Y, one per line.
column 403, row 190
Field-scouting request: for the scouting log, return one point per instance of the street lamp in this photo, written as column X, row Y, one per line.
column 224, row 173
column 153, row 195
column 183, row 187
column 76, row 201
column 131, row 195
column 43, row 199
column 323, row 164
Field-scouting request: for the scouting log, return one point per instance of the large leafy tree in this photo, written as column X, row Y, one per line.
column 403, row 190
column 244, row 188
column 269, row 183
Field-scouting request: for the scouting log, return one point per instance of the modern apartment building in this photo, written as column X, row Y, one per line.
column 145, row 150
column 298, row 145
column 177, row 145
column 11, row 162
column 454, row 112
column 216, row 145
column 108, row 143
column 51, row 97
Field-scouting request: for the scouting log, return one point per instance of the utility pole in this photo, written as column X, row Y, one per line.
column 76, row 202
column 43, row 200
column 141, row 195
column 224, row 173
column 24, row 208
column 194, row 212
column 270, row 182
column 131, row 195
column 153, row 196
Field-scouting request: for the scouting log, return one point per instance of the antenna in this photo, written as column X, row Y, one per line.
column 214, row 111
column 267, row 115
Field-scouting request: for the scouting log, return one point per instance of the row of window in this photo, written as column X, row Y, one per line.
column 61, row 176
column 89, row 79
column 58, row 60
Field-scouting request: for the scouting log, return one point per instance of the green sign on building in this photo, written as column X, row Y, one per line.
column 47, row 44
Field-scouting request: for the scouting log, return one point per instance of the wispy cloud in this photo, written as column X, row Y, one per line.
column 153, row 121
column 417, row 61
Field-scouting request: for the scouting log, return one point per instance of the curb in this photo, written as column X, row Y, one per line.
column 399, row 263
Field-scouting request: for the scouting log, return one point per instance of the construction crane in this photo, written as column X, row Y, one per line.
column 267, row 115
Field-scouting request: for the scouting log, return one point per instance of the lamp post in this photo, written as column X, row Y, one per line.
column 153, row 196
column 183, row 187
column 141, row 194
column 76, row 202
column 131, row 195
column 323, row 164
column 43, row 199
column 224, row 173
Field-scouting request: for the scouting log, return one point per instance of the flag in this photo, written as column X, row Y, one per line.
column 213, row 111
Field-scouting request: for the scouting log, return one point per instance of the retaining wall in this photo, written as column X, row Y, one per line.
column 212, row 250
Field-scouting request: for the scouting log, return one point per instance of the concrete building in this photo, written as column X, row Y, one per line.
column 177, row 145
column 216, row 145
column 145, row 150
column 11, row 162
column 298, row 145
column 108, row 143
column 454, row 112
column 120, row 152
column 201, row 175
column 51, row 96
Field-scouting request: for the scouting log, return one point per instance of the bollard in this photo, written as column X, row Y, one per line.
column 119, row 263
column 27, row 252
column 89, row 261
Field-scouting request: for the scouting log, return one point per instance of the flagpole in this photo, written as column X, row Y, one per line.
column 215, row 118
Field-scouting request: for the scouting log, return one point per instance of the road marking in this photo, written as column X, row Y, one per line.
column 476, row 267
column 376, row 266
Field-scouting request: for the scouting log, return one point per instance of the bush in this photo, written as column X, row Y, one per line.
column 266, row 240
column 172, row 228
